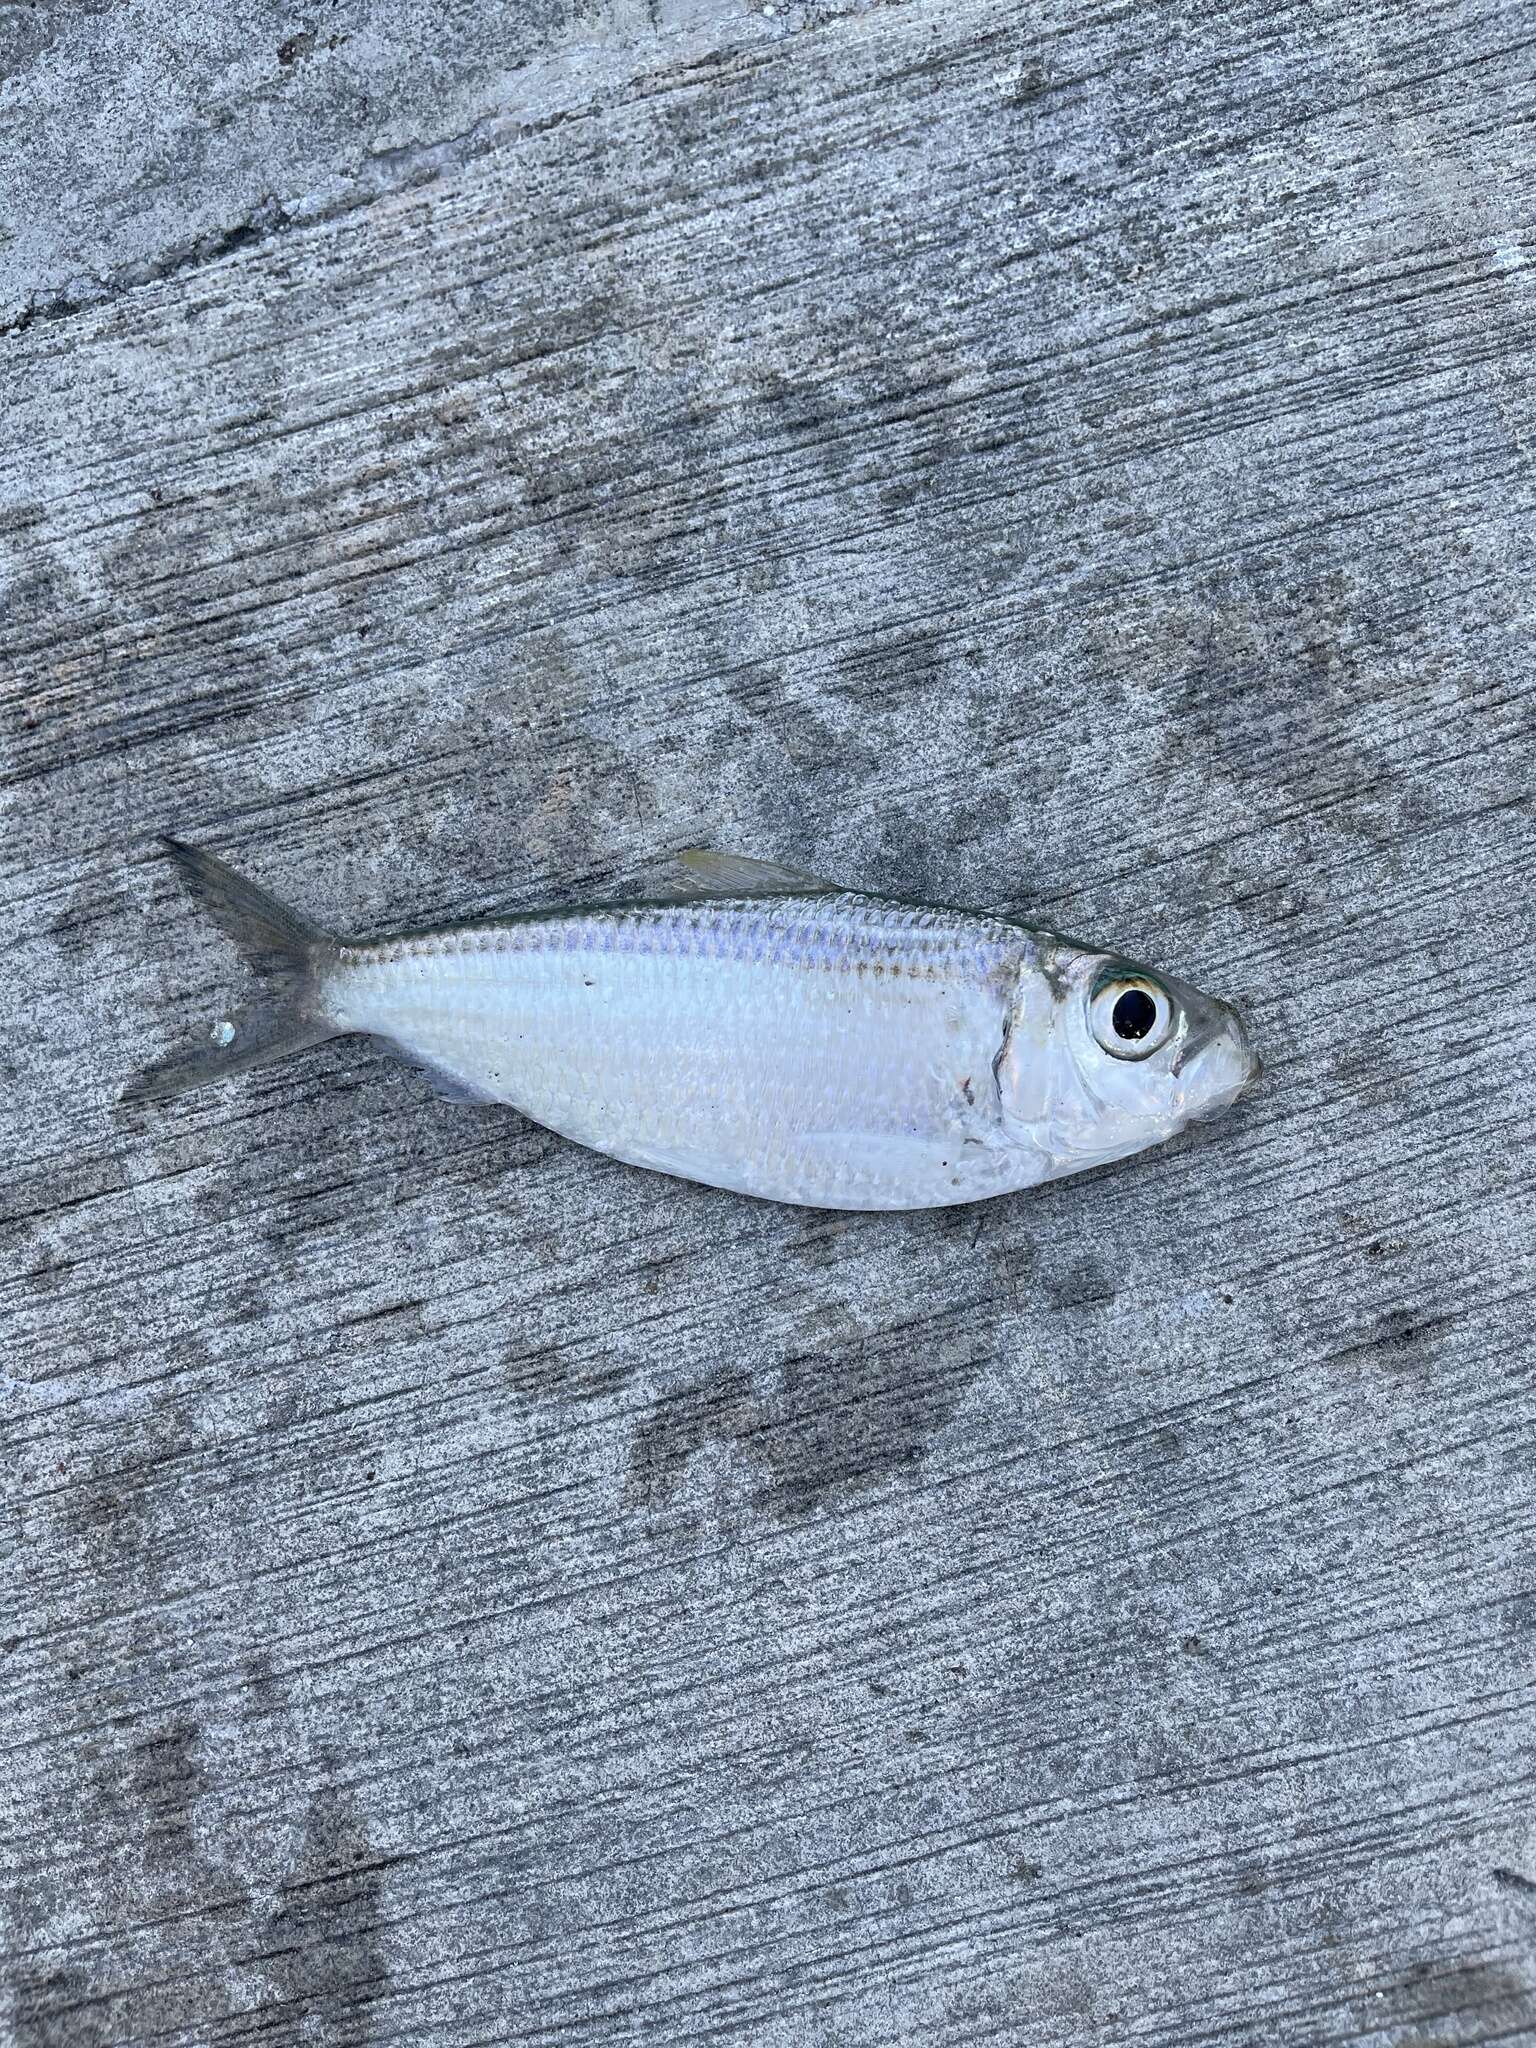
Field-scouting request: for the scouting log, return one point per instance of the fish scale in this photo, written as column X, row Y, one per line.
column 814, row 1049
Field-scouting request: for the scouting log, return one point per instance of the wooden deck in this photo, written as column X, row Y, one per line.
column 1070, row 459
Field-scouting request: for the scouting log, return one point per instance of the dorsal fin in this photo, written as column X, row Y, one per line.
column 733, row 874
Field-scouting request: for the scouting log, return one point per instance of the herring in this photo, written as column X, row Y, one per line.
column 764, row 1031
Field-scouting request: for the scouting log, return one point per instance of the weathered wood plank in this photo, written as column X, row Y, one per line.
column 459, row 1589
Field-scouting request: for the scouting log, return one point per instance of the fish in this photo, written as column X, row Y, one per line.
column 760, row 1030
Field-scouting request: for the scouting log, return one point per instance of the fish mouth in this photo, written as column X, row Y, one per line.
column 1217, row 1068
column 1190, row 1051
column 1214, row 1028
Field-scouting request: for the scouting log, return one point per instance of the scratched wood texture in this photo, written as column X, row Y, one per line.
column 456, row 1589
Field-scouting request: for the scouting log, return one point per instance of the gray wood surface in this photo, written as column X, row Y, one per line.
column 1069, row 458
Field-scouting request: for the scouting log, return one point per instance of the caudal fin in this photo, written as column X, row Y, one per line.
column 289, row 954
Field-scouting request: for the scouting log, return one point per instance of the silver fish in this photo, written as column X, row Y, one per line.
column 767, row 1032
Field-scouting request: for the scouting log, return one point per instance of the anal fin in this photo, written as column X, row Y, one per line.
column 450, row 1087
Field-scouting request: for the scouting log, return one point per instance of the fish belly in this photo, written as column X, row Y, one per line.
column 833, row 1054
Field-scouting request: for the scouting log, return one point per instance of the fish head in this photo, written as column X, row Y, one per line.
column 1104, row 1057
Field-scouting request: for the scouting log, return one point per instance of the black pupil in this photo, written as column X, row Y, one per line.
column 1134, row 1014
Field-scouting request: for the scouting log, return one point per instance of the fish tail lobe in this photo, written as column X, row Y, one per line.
column 291, row 958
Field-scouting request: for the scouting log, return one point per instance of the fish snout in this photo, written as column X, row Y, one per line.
column 1219, row 1063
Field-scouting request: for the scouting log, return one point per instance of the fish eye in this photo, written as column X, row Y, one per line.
column 1132, row 1016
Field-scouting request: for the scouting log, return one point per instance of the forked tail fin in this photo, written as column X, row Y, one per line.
column 289, row 954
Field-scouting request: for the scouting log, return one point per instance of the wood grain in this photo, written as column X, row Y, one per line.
column 458, row 1589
